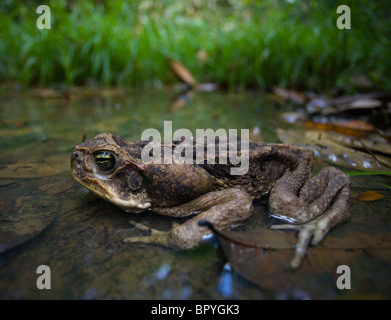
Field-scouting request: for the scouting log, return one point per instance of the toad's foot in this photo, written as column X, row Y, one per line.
column 156, row 236
column 318, row 228
column 306, row 231
column 222, row 208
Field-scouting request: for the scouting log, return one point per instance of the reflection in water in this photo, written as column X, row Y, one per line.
column 163, row 271
column 225, row 286
column 91, row 294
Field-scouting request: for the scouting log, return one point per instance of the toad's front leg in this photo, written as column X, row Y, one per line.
column 223, row 209
column 314, row 207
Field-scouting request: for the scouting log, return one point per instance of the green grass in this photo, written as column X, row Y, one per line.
column 255, row 44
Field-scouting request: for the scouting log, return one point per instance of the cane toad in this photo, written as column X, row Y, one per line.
column 111, row 167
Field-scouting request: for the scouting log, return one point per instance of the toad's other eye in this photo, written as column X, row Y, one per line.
column 105, row 160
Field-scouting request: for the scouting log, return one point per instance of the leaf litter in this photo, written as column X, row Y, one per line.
column 344, row 131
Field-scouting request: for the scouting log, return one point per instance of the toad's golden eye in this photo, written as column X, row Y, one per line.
column 105, row 160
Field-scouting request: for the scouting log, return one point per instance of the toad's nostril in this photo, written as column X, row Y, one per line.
column 77, row 155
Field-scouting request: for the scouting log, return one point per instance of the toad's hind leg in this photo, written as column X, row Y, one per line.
column 320, row 204
column 223, row 209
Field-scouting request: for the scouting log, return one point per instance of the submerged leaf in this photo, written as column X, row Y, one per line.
column 25, row 218
column 55, row 187
column 53, row 165
column 372, row 142
column 262, row 255
column 327, row 147
column 370, row 195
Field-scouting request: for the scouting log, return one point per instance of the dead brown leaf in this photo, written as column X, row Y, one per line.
column 47, row 93
column 14, row 123
column 370, row 195
column 356, row 125
column 355, row 128
column 291, row 95
column 202, row 56
column 182, row 73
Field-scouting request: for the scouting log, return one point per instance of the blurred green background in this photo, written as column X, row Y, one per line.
column 235, row 43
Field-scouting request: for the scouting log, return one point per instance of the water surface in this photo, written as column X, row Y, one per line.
column 48, row 219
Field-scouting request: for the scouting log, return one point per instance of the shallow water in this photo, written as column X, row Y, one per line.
column 48, row 219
